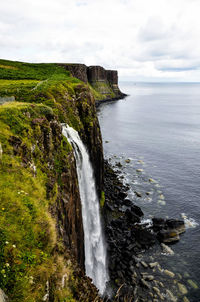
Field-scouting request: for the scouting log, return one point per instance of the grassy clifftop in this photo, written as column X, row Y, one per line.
column 26, row 80
column 41, row 238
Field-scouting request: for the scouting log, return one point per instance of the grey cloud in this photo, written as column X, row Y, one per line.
column 134, row 36
column 177, row 69
column 154, row 29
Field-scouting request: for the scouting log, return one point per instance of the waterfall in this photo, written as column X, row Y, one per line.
column 95, row 250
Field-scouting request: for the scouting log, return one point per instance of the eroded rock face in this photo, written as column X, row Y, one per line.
column 69, row 213
column 78, row 71
column 112, row 76
column 91, row 134
column 94, row 74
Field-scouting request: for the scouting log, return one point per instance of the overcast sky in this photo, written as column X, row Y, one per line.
column 144, row 40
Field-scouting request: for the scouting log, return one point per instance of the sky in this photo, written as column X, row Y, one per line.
column 145, row 40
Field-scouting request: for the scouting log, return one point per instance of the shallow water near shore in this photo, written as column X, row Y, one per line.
column 157, row 127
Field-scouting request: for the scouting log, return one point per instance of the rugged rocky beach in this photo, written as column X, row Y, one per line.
column 134, row 274
column 146, row 149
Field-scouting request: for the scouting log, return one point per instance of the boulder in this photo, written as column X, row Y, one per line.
column 168, row 236
column 175, row 224
column 158, row 224
column 131, row 216
column 137, row 210
column 168, row 230
column 166, row 249
column 138, row 194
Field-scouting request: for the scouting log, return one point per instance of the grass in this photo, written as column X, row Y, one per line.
column 27, row 230
column 32, row 82
column 28, row 81
column 102, row 90
column 28, row 236
column 12, row 70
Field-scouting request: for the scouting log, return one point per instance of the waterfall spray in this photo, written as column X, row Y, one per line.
column 95, row 249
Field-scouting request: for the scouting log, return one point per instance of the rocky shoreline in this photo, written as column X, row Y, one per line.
column 135, row 275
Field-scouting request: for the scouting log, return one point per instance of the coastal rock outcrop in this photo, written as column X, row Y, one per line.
column 168, row 230
column 104, row 82
column 78, row 71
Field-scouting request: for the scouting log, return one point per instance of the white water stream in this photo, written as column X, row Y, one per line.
column 95, row 249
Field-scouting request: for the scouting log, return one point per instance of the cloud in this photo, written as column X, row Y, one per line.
column 178, row 69
column 157, row 39
column 154, row 29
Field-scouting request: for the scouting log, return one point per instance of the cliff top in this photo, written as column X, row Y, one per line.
column 25, row 81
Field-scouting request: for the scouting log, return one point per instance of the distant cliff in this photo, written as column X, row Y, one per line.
column 103, row 82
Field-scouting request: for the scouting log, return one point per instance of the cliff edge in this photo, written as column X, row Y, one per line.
column 102, row 82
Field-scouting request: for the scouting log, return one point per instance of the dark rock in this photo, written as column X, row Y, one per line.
column 137, row 210
column 126, row 292
column 158, row 224
column 127, row 202
column 177, row 225
column 145, row 237
column 168, row 236
column 119, row 164
column 138, row 194
column 145, row 284
column 130, row 247
column 109, row 207
column 168, row 230
column 122, row 195
column 131, row 216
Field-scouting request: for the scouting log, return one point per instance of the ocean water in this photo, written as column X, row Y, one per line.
column 157, row 127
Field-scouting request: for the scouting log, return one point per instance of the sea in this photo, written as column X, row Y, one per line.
column 152, row 138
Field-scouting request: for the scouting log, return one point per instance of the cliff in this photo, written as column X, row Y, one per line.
column 103, row 83
column 42, row 240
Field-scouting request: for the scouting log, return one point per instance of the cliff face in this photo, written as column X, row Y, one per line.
column 78, row 71
column 38, row 164
column 104, row 82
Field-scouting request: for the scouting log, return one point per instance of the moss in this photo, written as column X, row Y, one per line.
column 102, row 200
column 102, row 90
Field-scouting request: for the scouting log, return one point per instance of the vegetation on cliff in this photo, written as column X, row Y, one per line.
column 41, row 235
